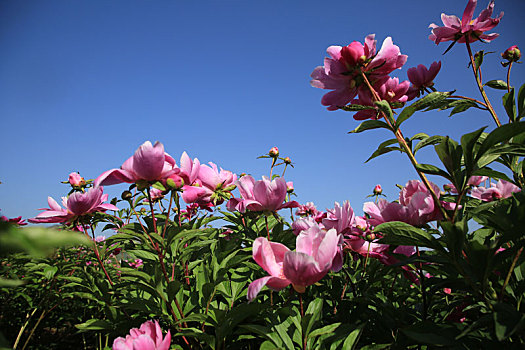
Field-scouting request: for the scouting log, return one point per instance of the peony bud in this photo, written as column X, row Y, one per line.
column 289, row 187
column 76, row 180
column 175, row 182
column 512, row 54
column 378, row 190
column 287, row 160
column 274, row 152
column 126, row 195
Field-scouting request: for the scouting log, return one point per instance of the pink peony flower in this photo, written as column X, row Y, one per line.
column 303, row 224
column 261, row 195
column 473, row 181
column 76, row 205
column 149, row 163
column 502, row 189
column 340, row 72
column 315, row 251
column 147, row 337
column 390, row 90
column 415, row 207
column 211, row 186
column 466, row 29
column 341, row 218
column 75, row 180
column 421, row 78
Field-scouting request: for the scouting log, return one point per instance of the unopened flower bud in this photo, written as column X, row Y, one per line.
column 274, row 152
column 287, row 160
column 370, row 237
column 289, row 187
column 512, row 54
column 126, row 195
column 76, row 180
column 142, row 185
column 378, row 190
column 447, row 187
column 175, row 182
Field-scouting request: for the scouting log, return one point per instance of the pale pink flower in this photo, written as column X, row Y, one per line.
column 303, row 224
column 308, row 209
column 289, row 187
column 262, row 195
column 76, row 180
column 466, row 29
column 75, row 206
column 147, row 337
column 149, row 163
column 155, row 194
column 315, row 251
column 501, row 189
column 472, row 181
column 341, row 69
column 340, row 218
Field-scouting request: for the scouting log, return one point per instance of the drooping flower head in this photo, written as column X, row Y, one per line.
column 149, row 163
column 147, row 337
column 421, row 78
column 467, row 29
column 75, row 206
column 341, row 71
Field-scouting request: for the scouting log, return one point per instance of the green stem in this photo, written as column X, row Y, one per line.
column 402, row 142
column 507, row 279
column 28, row 317
column 98, row 256
column 477, row 76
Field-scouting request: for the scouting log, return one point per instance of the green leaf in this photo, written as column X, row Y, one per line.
column 384, row 107
column 497, row 84
column 431, row 333
column 507, row 320
column 468, row 141
column 501, row 134
column 461, row 106
column 355, row 108
column 312, row 314
column 368, row 125
column 352, row 339
column 382, row 151
column 429, row 101
column 10, row 283
column 400, row 233
column 324, row 330
column 432, row 140
column 93, row 325
column 508, row 103
column 433, row 170
column 50, row 271
column 521, row 102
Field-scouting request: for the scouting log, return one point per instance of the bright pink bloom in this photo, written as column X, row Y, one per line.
column 210, row 186
column 261, row 195
column 147, row 337
column 315, row 251
column 149, row 163
column 189, row 169
column 390, row 90
column 340, row 71
column 467, row 28
column 76, row 205
column 76, row 180
column 308, row 209
column 415, row 207
column 502, row 189
column 421, row 78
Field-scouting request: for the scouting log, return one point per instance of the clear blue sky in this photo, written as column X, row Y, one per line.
column 84, row 83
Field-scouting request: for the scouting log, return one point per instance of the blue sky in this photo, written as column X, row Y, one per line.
column 84, row 83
